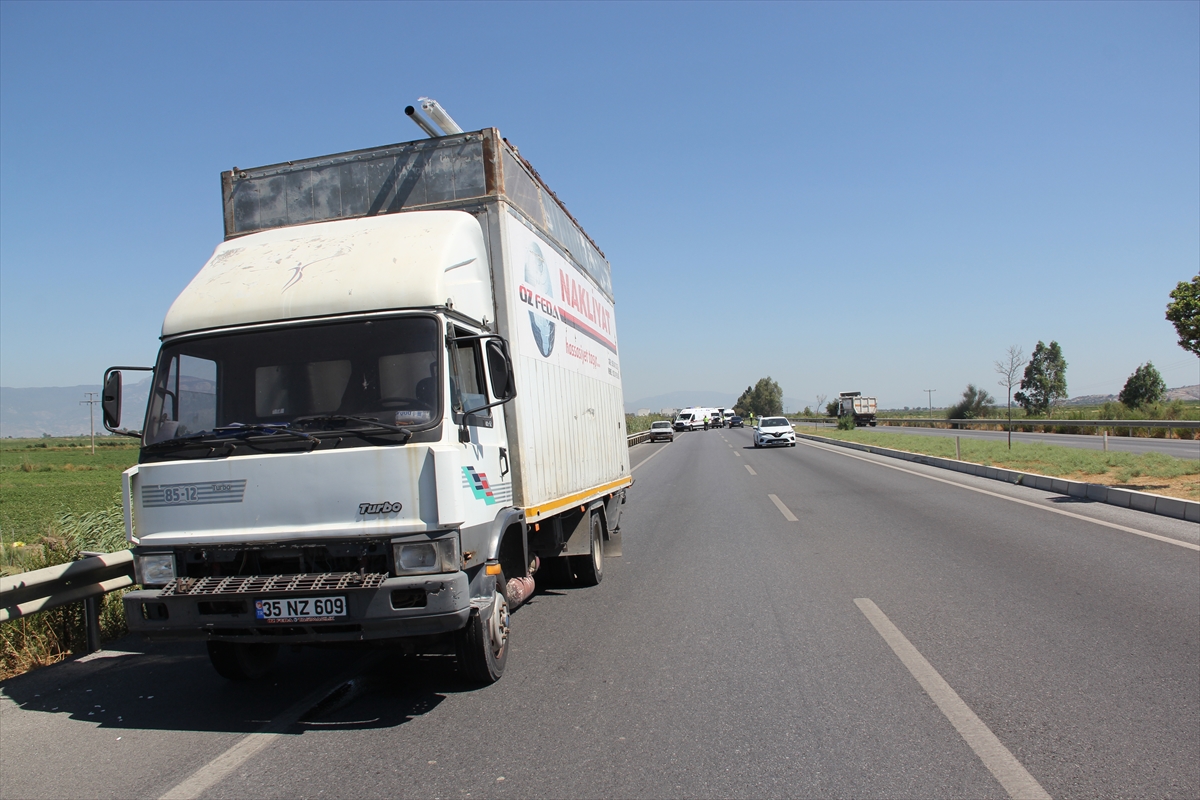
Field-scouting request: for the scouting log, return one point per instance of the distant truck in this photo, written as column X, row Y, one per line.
column 862, row 409
column 390, row 394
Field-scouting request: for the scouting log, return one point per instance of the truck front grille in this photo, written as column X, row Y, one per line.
column 261, row 584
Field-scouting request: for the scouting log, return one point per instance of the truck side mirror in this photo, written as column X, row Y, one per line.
column 112, row 399
column 500, row 371
column 110, row 402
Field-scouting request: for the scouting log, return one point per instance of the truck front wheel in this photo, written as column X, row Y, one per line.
column 242, row 661
column 483, row 644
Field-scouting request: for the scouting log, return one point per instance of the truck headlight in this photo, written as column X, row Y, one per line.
column 157, row 569
column 426, row 558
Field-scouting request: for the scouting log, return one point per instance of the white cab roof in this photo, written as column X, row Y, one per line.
column 416, row 259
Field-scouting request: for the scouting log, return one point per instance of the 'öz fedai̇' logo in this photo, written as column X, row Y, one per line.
column 538, row 291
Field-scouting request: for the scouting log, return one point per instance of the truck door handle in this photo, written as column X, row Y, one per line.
column 503, row 462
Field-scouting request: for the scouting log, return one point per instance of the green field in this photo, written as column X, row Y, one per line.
column 41, row 479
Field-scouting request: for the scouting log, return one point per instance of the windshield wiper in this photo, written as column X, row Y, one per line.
column 368, row 421
column 236, row 430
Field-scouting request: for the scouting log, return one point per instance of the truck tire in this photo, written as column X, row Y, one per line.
column 589, row 569
column 483, row 645
column 242, row 661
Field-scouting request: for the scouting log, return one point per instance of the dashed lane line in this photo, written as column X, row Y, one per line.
column 999, row 760
column 787, row 512
column 1127, row 529
column 749, row 469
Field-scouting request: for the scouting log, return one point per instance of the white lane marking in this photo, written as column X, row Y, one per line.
column 1015, row 779
column 739, row 455
column 1147, row 534
column 647, row 458
column 223, row 765
column 787, row 512
column 749, row 469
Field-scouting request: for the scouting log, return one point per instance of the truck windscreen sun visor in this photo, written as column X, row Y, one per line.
column 386, row 370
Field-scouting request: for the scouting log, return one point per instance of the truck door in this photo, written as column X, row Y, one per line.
column 487, row 473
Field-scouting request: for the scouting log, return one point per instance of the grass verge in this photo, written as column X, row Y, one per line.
column 1147, row 472
column 56, row 501
column 50, row 636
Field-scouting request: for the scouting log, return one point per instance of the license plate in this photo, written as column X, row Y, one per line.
column 300, row 609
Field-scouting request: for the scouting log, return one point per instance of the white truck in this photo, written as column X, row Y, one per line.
column 390, row 394
column 862, row 409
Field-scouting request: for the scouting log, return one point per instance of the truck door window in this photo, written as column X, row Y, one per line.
column 186, row 399
column 466, row 381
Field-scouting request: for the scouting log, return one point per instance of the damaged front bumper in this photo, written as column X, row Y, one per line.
column 376, row 607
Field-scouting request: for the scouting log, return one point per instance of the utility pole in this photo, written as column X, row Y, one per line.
column 930, row 392
column 91, row 404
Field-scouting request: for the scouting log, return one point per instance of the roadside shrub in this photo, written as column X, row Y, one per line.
column 845, row 423
column 50, row 636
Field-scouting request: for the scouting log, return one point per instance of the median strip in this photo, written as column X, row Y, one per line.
column 787, row 512
column 999, row 760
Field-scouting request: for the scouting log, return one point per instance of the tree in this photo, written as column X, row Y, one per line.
column 820, row 401
column 832, row 409
column 1144, row 386
column 1008, row 369
column 742, row 406
column 1184, row 313
column 1045, row 380
column 765, row 398
column 975, row 403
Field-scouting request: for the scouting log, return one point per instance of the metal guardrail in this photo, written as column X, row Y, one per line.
column 638, row 438
column 87, row 579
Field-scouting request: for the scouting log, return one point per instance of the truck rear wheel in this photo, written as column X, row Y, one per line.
column 242, row 661
column 589, row 569
column 483, row 644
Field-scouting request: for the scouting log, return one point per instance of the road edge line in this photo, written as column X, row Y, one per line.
column 1147, row 502
column 652, row 455
column 1125, row 528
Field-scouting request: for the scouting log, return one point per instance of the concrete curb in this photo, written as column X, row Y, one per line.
column 1125, row 498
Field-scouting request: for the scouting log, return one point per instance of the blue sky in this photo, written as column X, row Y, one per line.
column 879, row 197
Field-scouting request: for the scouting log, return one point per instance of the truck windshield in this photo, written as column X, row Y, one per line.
column 355, row 373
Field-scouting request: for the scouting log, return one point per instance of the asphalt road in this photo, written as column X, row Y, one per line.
column 800, row 622
column 1180, row 448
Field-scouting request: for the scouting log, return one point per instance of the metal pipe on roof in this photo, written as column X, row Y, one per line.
column 421, row 122
column 439, row 115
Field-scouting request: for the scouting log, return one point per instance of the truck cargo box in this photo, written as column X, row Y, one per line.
column 552, row 290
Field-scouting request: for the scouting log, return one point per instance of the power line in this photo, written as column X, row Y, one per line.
column 91, row 404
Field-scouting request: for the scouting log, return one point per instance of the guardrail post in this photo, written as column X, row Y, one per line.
column 91, row 622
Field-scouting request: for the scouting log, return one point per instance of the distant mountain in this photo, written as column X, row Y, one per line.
column 56, row 410
column 1184, row 393
column 1181, row 393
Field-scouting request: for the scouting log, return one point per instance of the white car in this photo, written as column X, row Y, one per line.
column 772, row 431
column 661, row 430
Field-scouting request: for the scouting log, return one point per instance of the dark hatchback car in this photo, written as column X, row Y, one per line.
column 736, row 422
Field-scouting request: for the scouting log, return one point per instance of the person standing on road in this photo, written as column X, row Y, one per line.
column 706, row 422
